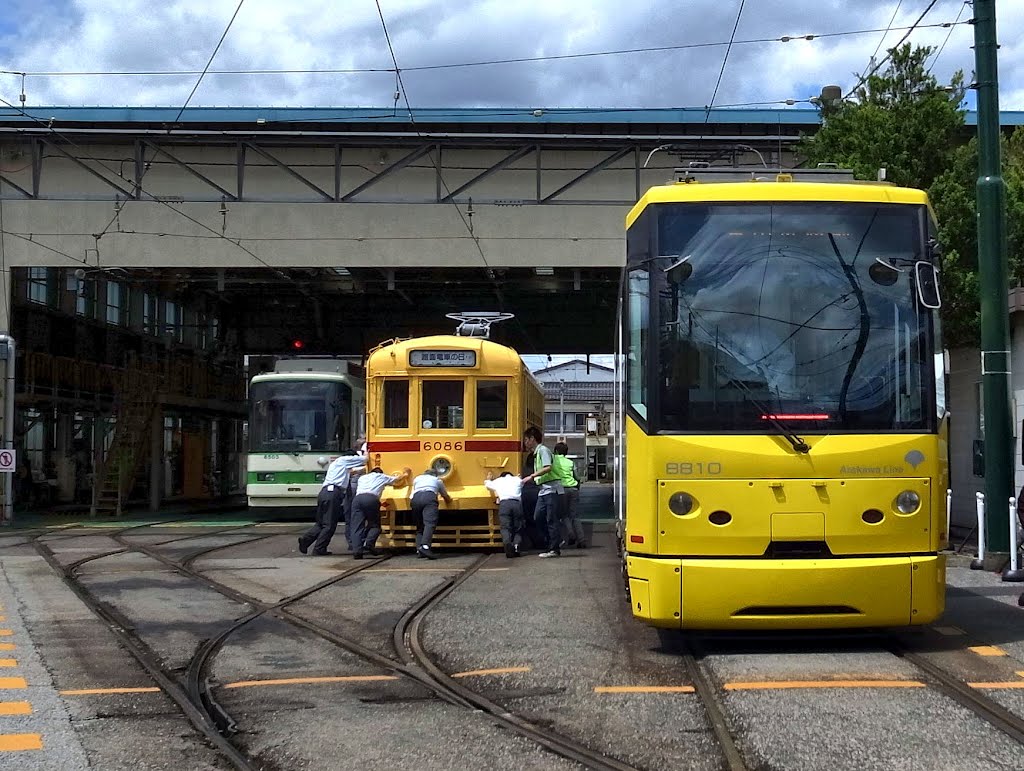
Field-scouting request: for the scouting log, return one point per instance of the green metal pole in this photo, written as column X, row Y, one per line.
column 992, row 274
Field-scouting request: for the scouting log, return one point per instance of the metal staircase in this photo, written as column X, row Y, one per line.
column 115, row 475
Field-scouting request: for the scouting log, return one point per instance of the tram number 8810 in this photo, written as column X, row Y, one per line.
column 686, row 469
column 441, row 446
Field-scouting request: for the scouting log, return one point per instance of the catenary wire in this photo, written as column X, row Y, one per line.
column 916, row 25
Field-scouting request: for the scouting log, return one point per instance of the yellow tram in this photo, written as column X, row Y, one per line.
column 458, row 404
column 783, row 405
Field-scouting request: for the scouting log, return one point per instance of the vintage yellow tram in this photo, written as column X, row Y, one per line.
column 457, row 404
column 783, row 405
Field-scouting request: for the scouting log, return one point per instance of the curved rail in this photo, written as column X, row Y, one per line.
column 408, row 643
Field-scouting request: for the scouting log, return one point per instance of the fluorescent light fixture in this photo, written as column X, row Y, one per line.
column 544, row 271
column 341, row 271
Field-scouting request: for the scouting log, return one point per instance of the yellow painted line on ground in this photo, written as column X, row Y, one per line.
column 8, row 663
column 12, row 682
column 308, row 680
column 643, row 689
column 104, row 691
column 787, row 684
column 987, row 650
column 1009, row 684
column 6, row 646
column 950, row 631
column 501, row 671
column 1019, row 674
column 428, row 570
column 2, row 618
column 6, row 633
column 20, row 742
column 15, row 708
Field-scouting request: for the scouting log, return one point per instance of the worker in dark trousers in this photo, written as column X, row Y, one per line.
column 366, row 509
column 330, row 503
column 509, row 491
column 425, row 490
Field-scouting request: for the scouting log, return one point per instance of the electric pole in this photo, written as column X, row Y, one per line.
column 992, row 274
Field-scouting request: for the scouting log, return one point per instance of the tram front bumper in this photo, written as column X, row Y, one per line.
column 787, row 593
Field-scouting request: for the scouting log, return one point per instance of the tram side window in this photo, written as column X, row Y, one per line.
column 491, row 404
column 442, row 402
column 396, row 404
column 639, row 323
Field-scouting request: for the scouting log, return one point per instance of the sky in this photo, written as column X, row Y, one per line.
column 62, row 36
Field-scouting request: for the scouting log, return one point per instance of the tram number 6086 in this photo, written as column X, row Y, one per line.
column 446, row 446
column 685, row 469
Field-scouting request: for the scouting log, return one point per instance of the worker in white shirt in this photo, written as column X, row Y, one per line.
column 366, row 509
column 362, row 450
column 509, row 491
column 425, row 490
column 331, row 503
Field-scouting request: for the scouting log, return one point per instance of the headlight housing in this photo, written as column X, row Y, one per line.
column 442, row 466
column 681, row 504
column 264, row 476
column 908, row 502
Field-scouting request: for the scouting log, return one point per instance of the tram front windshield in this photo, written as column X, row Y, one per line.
column 801, row 312
column 299, row 416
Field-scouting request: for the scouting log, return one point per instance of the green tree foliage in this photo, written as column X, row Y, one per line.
column 953, row 196
column 903, row 120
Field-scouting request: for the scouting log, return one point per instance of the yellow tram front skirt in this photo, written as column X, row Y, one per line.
column 787, row 593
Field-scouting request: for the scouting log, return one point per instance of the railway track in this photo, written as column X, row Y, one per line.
column 195, row 695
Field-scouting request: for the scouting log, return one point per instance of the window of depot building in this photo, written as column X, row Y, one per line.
column 117, row 303
column 442, row 404
column 396, row 404
column 40, row 285
column 492, row 404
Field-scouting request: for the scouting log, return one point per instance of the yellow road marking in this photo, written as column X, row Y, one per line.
column 13, row 682
column 2, row 618
column 6, row 646
column 7, row 663
column 1010, row 684
column 428, row 570
column 15, row 708
column 305, row 680
column 987, row 650
column 6, row 633
column 101, row 691
column 643, row 689
column 1019, row 674
column 784, row 684
column 502, row 671
column 949, row 631
column 17, row 742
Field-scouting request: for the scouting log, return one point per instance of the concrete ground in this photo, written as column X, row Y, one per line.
column 551, row 641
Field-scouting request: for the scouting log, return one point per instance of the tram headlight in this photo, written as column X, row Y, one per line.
column 908, row 502
column 442, row 466
column 680, row 504
column 264, row 476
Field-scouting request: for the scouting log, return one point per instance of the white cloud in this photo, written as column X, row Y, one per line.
column 106, row 35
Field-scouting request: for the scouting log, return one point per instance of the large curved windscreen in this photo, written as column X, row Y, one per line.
column 804, row 313
column 300, row 416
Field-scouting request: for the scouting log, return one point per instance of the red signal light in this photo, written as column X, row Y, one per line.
column 298, row 345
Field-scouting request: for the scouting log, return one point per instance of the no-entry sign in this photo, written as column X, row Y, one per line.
column 7, row 461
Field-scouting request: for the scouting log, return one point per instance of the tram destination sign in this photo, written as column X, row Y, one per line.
column 427, row 358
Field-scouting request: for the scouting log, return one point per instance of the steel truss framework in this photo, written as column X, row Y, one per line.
column 625, row 152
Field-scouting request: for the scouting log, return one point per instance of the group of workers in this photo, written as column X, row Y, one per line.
column 540, row 504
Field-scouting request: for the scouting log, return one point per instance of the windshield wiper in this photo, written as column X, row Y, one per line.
column 798, row 444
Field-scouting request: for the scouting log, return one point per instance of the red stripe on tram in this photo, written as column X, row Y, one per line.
column 413, row 446
column 494, row 446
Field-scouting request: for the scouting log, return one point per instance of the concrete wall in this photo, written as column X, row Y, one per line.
column 283, row 222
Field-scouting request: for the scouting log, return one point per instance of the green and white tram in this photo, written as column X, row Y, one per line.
column 301, row 416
